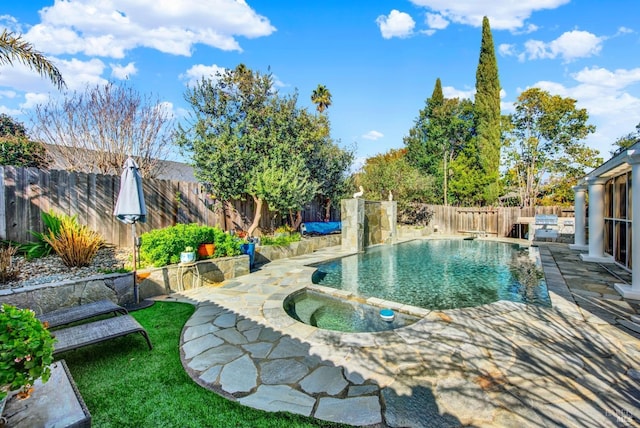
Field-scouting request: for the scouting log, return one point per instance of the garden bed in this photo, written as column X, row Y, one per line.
column 118, row 287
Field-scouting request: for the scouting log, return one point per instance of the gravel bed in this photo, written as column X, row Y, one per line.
column 50, row 269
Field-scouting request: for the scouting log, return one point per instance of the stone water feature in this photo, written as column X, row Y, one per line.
column 367, row 223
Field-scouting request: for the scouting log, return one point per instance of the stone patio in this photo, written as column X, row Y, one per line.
column 504, row 364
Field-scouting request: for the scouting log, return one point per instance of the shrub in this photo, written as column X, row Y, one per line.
column 161, row 247
column 26, row 349
column 76, row 244
column 282, row 240
column 40, row 247
column 8, row 269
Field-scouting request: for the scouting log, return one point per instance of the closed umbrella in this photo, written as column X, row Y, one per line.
column 130, row 207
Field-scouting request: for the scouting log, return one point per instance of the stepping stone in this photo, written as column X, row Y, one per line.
column 240, row 375
column 282, row 371
column 357, row 390
column 211, row 375
column 215, row 356
column 324, row 379
column 259, row 349
column 225, row 320
column 232, row 336
column 288, row 347
column 279, row 398
column 353, row 411
column 252, row 334
column 199, row 345
column 199, row 330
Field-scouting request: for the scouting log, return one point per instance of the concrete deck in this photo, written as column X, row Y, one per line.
column 504, row 364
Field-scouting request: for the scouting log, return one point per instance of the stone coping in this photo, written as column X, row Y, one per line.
column 501, row 364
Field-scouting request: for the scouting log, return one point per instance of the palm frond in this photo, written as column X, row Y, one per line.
column 14, row 48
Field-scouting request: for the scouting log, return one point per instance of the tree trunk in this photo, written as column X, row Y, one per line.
column 295, row 223
column 256, row 216
column 327, row 210
column 445, row 173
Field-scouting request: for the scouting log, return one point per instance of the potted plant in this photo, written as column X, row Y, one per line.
column 188, row 255
column 26, row 351
column 206, row 250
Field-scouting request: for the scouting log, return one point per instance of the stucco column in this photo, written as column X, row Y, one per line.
column 633, row 291
column 579, row 241
column 596, row 223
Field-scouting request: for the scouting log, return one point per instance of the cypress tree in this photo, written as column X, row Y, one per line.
column 487, row 114
column 436, row 97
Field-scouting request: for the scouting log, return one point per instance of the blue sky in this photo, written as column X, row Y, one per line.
column 379, row 59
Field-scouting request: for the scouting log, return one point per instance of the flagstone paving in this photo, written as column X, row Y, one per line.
column 505, row 364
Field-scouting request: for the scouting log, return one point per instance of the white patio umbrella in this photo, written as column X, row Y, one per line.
column 130, row 207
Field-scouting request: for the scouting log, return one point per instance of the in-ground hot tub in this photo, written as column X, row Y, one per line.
column 332, row 313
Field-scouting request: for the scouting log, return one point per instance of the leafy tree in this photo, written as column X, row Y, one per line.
column 321, row 97
column 627, row 141
column 487, row 114
column 9, row 127
column 391, row 172
column 441, row 131
column 14, row 48
column 544, row 142
column 97, row 129
column 245, row 139
column 15, row 147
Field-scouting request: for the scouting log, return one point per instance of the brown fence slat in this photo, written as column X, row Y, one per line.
column 25, row 193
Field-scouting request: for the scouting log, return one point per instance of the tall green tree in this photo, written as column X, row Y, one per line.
column 441, row 131
column 545, row 142
column 321, row 97
column 487, row 114
column 14, row 48
column 246, row 139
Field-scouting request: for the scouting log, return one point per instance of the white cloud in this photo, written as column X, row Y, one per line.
column 198, row 71
column 8, row 94
column 373, row 135
column 397, row 24
column 569, row 46
column 10, row 111
column 110, row 28
column 78, row 74
column 32, row 99
column 624, row 30
column 436, row 21
column 506, row 49
column 123, row 71
column 502, row 14
column 618, row 79
column 451, row 92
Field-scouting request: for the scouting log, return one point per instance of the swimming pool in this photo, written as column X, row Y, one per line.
column 440, row 274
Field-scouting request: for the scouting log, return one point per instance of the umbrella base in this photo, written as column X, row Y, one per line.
column 141, row 305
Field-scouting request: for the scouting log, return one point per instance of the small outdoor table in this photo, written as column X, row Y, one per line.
column 183, row 268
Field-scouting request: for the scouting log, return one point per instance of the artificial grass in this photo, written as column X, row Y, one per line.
column 126, row 385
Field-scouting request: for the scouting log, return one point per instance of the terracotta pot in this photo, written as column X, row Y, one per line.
column 206, row 250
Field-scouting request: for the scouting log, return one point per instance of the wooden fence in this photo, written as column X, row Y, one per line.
column 26, row 192
column 498, row 221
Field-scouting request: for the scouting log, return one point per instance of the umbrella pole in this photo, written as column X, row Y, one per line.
column 135, row 265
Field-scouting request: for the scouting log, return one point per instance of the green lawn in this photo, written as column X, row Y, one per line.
column 126, row 385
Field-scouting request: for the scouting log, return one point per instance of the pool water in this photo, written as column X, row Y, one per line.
column 440, row 274
column 331, row 313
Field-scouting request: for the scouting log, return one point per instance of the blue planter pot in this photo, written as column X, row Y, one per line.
column 250, row 249
column 186, row 257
